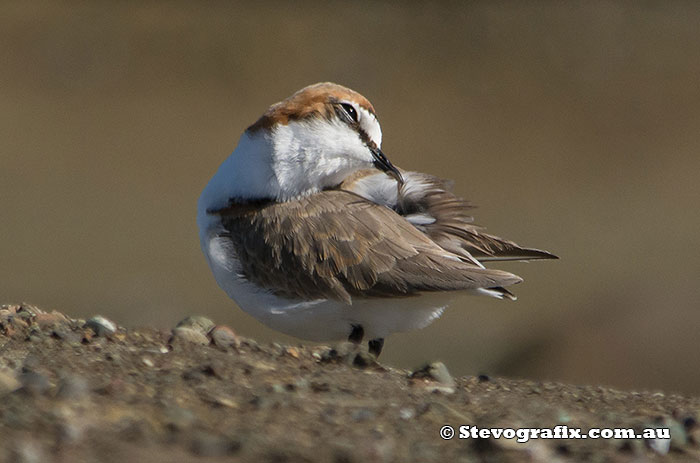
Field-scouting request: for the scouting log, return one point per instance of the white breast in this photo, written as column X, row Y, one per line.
column 321, row 319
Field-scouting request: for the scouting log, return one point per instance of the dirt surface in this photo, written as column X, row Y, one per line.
column 77, row 390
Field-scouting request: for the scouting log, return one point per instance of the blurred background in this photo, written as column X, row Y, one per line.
column 574, row 126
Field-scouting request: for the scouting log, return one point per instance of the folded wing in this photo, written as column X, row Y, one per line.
column 427, row 203
column 338, row 245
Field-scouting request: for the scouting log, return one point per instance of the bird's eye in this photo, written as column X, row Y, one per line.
column 350, row 110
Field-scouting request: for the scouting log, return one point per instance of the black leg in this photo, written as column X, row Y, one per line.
column 356, row 334
column 375, row 346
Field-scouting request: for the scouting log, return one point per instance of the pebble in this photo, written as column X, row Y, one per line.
column 406, row 413
column 679, row 437
column 101, row 326
column 218, row 400
column 46, row 320
column 223, row 337
column 7, row 310
column 27, row 311
column 8, row 382
column 278, row 388
column 197, row 323
column 188, row 335
column 17, row 325
column 660, row 446
column 436, row 371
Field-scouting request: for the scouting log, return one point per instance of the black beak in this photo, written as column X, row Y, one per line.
column 382, row 163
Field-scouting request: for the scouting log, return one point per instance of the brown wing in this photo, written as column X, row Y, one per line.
column 335, row 244
column 446, row 221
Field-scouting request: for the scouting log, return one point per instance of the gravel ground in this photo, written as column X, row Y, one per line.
column 88, row 390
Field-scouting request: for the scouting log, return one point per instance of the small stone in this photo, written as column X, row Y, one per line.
column 101, row 326
column 436, row 371
column 198, row 323
column 278, row 388
column 17, row 327
column 660, row 446
column 8, row 382
column 679, row 437
column 7, row 310
column 483, row 378
column 148, row 362
column 27, row 311
column 223, row 337
column 292, row 352
column 46, row 320
column 188, row 335
column 221, row 401
column 406, row 413
column 87, row 336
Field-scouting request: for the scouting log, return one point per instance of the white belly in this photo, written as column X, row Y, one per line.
column 322, row 319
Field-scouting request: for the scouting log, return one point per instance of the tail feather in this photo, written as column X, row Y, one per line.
column 497, row 292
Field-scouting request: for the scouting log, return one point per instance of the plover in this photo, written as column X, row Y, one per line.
column 311, row 229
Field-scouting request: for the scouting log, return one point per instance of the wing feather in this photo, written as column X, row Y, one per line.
column 428, row 204
column 338, row 245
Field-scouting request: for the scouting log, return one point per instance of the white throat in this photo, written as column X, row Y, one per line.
column 287, row 162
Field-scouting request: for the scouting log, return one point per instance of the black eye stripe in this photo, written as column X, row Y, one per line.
column 350, row 110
